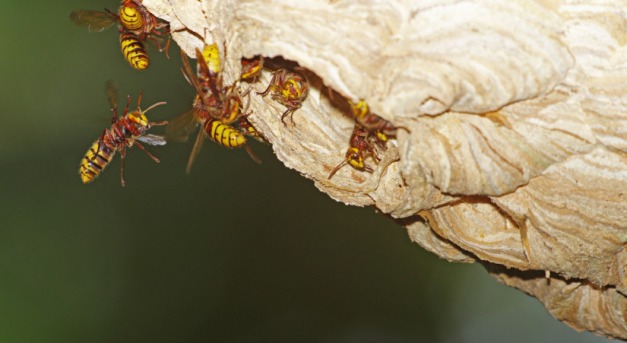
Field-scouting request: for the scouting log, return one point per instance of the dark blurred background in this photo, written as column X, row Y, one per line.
column 234, row 252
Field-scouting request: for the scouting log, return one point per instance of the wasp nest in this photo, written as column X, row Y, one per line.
column 515, row 153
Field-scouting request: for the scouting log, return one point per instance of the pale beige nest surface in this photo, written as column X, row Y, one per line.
column 516, row 154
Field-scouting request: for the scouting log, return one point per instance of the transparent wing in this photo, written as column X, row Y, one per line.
column 187, row 72
column 152, row 139
column 181, row 127
column 191, row 77
column 111, row 90
column 157, row 42
column 200, row 138
column 94, row 21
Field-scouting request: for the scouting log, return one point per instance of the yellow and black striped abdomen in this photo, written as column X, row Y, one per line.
column 131, row 18
column 134, row 51
column 96, row 159
column 211, row 55
column 223, row 134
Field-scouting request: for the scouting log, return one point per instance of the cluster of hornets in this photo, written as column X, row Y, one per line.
column 217, row 109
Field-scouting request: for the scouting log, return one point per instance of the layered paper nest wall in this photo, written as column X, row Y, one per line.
column 517, row 117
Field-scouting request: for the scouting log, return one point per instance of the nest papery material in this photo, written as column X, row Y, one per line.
column 517, row 119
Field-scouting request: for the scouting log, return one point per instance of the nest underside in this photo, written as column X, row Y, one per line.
column 515, row 149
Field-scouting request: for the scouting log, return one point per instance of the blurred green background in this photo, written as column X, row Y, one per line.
column 234, row 252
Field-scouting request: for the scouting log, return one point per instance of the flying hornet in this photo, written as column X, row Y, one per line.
column 136, row 25
column 125, row 131
column 215, row 107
